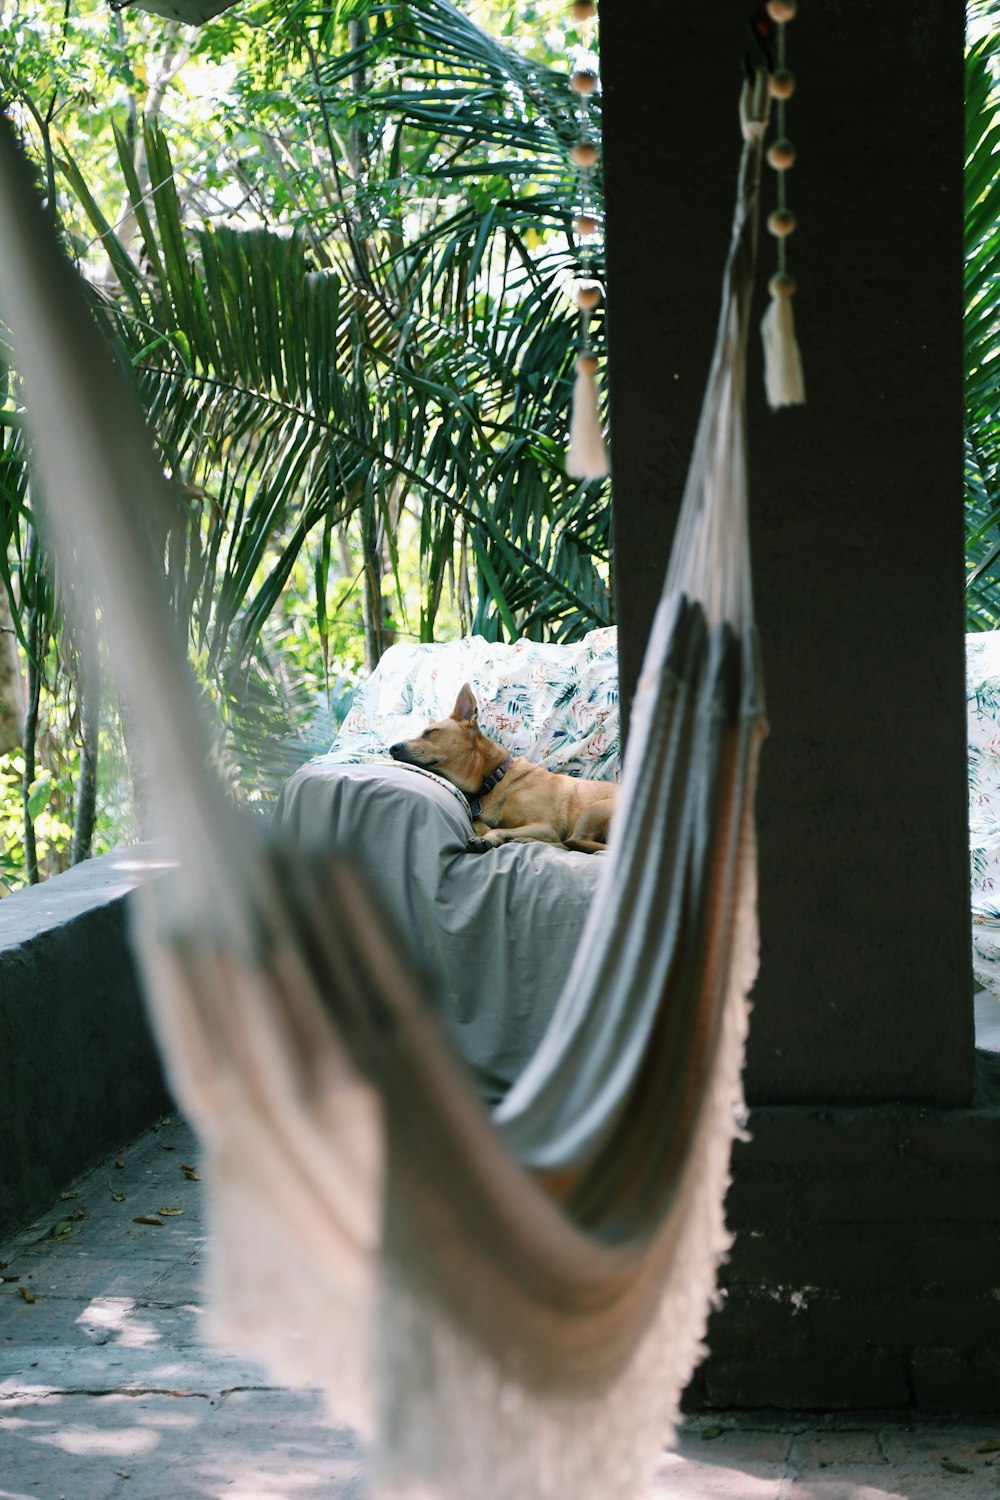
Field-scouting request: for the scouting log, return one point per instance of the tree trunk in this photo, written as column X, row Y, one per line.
column 371, row 551
column 138, row 774
column 357, row 146
column 12, row 694
column 36, row 648
column 89, row 689
column 371, row 542
column 464, row 588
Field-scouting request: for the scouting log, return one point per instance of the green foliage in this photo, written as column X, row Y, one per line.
column 52, row 802
column 332, row 247
column 982, row 304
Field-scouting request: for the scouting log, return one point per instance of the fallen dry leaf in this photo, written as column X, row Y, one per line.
column 167, row 1212
column 65, row 1197
column 191, row 1174
column 119, row 1164
column 62, row 1230
column 28, row 1296
column 952, row 1468
column 147, row 1219
column 118, row 1197
column 991, row 1445
column 11, row 1278
column 707, row 1433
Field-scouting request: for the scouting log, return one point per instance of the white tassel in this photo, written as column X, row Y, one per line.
column 783, row 376
column 587, row 457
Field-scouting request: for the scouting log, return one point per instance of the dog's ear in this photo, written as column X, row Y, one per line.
column 465, row 710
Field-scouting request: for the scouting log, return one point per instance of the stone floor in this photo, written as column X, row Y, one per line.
column 106, row 1393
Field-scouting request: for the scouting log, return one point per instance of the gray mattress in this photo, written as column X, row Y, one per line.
column 492, row 935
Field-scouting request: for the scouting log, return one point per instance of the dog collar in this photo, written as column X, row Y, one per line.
column 476, row 802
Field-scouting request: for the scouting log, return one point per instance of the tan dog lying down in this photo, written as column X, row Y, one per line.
column 510, row 798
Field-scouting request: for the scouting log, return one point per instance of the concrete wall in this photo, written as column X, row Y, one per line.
column 864, row 994
column 81, row 1074
column 866, row 1266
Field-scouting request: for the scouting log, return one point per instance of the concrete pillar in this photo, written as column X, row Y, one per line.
column 864, row 995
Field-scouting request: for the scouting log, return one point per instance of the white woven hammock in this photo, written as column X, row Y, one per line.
column 509, row 1307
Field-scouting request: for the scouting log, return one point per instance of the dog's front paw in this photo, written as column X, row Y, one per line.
column 479, row 845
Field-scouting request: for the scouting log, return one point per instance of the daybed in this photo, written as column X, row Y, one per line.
column 493, row 933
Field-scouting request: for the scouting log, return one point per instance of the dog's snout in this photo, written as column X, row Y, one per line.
column 395, row 750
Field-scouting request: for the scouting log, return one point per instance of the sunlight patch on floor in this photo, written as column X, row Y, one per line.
column 120, row 1442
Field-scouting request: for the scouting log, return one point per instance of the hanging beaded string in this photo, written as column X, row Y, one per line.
column 586, row 458
column 782, row 360
column 583, row 155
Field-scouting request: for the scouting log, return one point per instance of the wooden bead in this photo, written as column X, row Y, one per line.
column 586, row 224
column 583, row 80
column 782, row 284
column 781, row 84
column 586, row 294
column 583, row 154
column 586, row 363
column 584, row 10
column 781, row 222
column 781, row 155
column 782, row 10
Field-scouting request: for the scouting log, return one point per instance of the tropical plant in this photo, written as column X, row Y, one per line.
column 982, row 319
column 379, row 366
column 424, row 358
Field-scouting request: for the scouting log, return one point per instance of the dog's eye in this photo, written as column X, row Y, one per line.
column 428, row 733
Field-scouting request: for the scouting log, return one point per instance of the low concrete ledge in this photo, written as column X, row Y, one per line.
column 81, row 1073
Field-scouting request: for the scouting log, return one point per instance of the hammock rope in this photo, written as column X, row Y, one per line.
column 511, row 1305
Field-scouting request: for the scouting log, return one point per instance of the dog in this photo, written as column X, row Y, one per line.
column 511, row 800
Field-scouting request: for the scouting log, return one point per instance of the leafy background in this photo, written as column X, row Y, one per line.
column 982, row 302
column 333, row 247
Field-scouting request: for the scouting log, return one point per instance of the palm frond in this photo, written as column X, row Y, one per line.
column 982, row 332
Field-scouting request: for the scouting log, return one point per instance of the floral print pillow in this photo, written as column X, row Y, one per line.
column 554, row 704
column 982, row 656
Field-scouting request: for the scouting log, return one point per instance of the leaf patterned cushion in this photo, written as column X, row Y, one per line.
column 554, row 704
column 982, row 656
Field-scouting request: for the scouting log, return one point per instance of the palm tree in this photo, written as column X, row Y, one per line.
column 390, row 349
column 409, row 349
